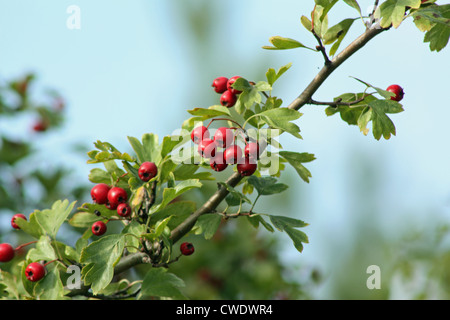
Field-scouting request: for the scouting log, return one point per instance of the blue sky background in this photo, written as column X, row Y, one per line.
column 133, row 68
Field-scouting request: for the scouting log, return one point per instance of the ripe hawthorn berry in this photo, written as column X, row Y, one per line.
column 124, row 210
column 220, row 84
column 13, row 220
column 251, row 150
column 247, row 168
column 116, row 196
column 99, row 228
column 397, row 90
column 199, row 133
column 218, row 162
column 230, row 82
column 6, row 252
column 99, row 193
column 233, row 154
column 207, row 148
column 147, row 170
column 187, row 248
column 223, row 137
column 228, row 99
column 35, row 271
column 40, row 126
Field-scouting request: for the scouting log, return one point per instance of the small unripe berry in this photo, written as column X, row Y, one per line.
column 35, row 271
column 98, row 228
column 187, row 248
column 397, row 90
column 99, row 193
column 228, row 99
column 147, row 171
column 199, row 133
column 6, row 252
column 220, row 84
column 17, row 216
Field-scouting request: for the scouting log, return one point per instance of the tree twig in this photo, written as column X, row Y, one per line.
column 325, row 72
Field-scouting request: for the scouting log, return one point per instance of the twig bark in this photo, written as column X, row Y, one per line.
column 327, row 69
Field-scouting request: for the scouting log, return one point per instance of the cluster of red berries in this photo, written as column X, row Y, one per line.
column 115, row 198
column 223, row 86
column 397, row 90
column 35, row 271
column 231, row 153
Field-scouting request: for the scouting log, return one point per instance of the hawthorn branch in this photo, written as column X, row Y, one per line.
column 327, row 69
column 207, row 207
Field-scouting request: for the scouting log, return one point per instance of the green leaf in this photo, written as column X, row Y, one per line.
column 43, row 250
column 354, row 4
column 208, row 225
column 273, row 76
column 336, row 34
column 170, row 194
column 148, row 150
column 392, row 12
column 267, row 185
column 189, row 171
column 382, row 125
column 296, row 159
column 280, row 118
column 99, row 258
column 31, row 226
column 13, row 151
column 306, row 23
column 282, row 43
column 178, row 211
column 160, row 283
column 288, row 225
column 51, row 219
column 247, row 99
column 211, row 112
column 235, row 193
column 256, row 219
column 107, row 152
column 86, row 216
column 50, row 287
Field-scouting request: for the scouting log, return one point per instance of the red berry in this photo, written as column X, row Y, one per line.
column 98, row 228
column 224, row 137
column 230, row 83
column 207, row 148
column 13, row 220
column 6, row 252
column 116, row 196
column 247, row 168
column 218, row 163
column 147, row 171
column 251, row 150
column 228, row 99
column 124, row 210
column 35, row 271
column 220, row 84
column 397, row 90
column 187, row 248
column 99, row 193
column 199, row 133
column 40, row 126
column 233, row 154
